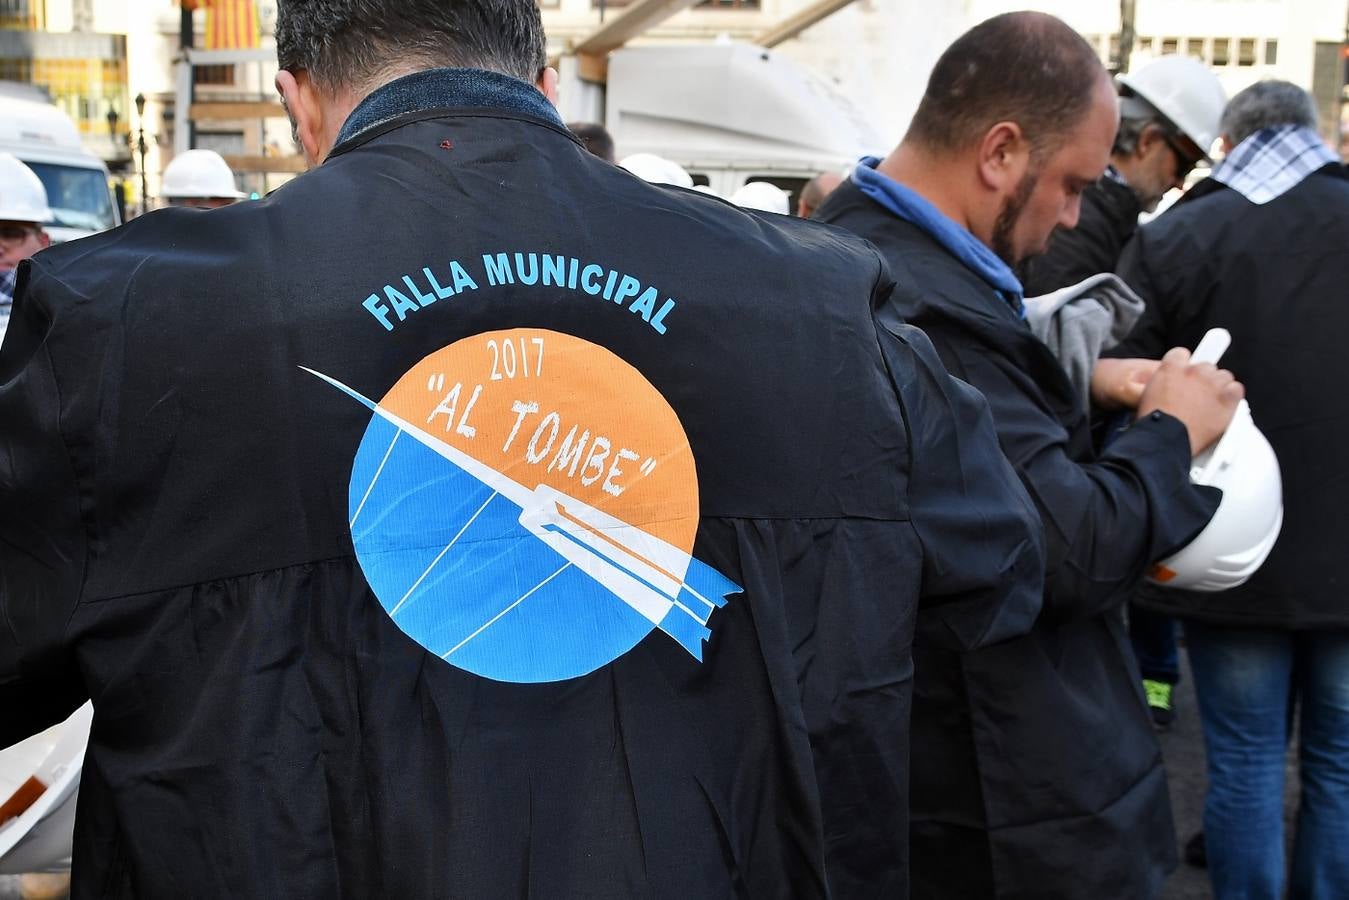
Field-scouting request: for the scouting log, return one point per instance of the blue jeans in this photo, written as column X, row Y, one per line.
column 1153, row 636
column 1247, row 682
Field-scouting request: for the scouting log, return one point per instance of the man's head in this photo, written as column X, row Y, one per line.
column 1265, row 104
column 23, row 209
column 594, row 138
column 815, row 192
column 332, row 53
column 1016, row 122
column 1168, row 119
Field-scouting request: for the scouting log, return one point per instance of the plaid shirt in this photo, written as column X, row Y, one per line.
column 7, row 279
column 1272, row 162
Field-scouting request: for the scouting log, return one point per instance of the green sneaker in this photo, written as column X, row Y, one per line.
column 1159, row 703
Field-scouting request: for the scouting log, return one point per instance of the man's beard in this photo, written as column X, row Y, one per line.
column 1009, row 216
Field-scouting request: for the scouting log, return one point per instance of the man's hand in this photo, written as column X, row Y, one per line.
column 1118, row 383
column 1203, row 397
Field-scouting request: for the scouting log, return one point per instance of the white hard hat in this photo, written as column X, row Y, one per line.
column 657, row 169
column 762, row 196
column 1186, row 92
column 1243, row 530
column 22, row 196
column 200, row 174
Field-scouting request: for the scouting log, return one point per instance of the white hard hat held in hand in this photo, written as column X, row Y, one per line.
column 1243, row 531
column 22, row 196
column 199, row 174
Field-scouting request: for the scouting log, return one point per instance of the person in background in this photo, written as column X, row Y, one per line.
column 23, row 210
column 200, row 179
column 1258, row 248
column 762, row 196
column 1036, row 772
column 595, row 138
column 1169, row 113
column 655, row 169
column 815, row 192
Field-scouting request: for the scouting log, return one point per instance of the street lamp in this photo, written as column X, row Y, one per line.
column 140, row 148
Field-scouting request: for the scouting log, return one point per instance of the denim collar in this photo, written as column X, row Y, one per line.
column 910, row 206
column 446, row 89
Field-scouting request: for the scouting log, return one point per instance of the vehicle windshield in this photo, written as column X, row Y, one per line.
column 79, row 198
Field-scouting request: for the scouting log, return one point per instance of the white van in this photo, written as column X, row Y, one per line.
column 730, row 113
column 48, row 142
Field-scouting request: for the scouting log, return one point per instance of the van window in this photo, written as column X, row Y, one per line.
column 79, row 198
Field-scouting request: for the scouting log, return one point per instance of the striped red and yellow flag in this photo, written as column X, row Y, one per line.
column 231, row 24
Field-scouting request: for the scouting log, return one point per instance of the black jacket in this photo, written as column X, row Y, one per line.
column 1035, row 769
column 264, row 468
column 1108, row 219
column 1273, row 275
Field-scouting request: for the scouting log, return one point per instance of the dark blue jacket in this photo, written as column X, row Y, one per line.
column 1035, row 769
column 472, row 519
column 1273, row 275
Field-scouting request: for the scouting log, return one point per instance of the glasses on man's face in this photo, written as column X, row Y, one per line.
column 16, row 233
column 1186, row 159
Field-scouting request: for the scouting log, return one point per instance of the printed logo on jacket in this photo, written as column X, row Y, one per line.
column 524, row 504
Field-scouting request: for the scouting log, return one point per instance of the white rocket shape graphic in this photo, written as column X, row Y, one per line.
column 658, row 580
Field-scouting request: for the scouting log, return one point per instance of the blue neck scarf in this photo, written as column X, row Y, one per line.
column 446, row 89
column 911, row 207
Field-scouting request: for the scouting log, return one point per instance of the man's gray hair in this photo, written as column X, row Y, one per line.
column 357, row 43
column 1267, row 104
column 1136, row 114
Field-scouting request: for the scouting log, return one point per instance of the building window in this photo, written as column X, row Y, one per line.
column 1271, row 52
column 1246, row 52
column 1194, row 47
column 1170, row 46
column 1222, row 51
column 1143, row 45
column 23, row 15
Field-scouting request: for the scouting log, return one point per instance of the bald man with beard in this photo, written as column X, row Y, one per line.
column 1035, row 769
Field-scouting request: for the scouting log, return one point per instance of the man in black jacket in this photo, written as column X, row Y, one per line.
column 1169, row 113
column 1035, row 769
column 1258, row 248
column 461, row 520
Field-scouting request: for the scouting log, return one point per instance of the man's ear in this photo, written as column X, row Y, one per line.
column 301, row 100
column 1004, row 157
column 547, row 83
column 1150, row 140
column 44, row 239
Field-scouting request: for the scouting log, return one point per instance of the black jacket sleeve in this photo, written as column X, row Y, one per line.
column 1105, row 520
column 983, row 547
column 42, row 539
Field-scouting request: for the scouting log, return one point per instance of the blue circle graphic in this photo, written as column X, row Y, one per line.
column 457, row 572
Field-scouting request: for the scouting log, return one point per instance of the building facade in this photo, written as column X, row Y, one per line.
column 94, row 56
